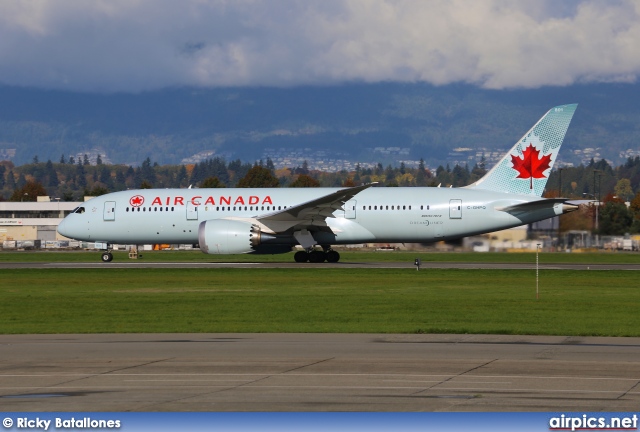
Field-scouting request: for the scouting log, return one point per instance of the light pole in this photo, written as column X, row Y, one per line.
column 58, row 200
column 537, row 269
column 599, row 174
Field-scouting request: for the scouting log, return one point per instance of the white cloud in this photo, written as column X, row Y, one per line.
column 136, row 45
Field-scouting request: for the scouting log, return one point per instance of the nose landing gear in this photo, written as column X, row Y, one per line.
column 107, row 257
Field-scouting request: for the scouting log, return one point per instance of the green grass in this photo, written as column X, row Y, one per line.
column 346, row 256
column 319, row 300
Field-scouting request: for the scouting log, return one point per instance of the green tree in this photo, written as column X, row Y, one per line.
column 615, row 218
column 96, row 191
column 258, row 177
column 623, row 189
column 304, row 180
column 212, row 182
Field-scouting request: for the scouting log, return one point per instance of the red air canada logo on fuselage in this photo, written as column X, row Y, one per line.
column 197, row 200
column 136, row 201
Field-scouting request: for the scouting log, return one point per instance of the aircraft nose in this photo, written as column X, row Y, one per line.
column 62, row 228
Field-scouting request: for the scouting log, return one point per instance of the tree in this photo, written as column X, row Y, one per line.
column 635, row 206
column 623, row 189
column 615, row 218
column 304, row 180
column 270, row 166
column 62, row 161
column 96, row 191
column 258, row 177
column 212, row 182
column 85, row 160
column 29, row 192
column 348, row 182
column 145, row 185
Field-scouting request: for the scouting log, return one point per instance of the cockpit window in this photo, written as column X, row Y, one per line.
column 79, row 210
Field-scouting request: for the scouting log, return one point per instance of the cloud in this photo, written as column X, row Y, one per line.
column 138, row 45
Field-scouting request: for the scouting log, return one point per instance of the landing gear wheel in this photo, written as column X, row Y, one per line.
column 317, row 257
column 333, row 256
column 107, row 257
column 301, row 256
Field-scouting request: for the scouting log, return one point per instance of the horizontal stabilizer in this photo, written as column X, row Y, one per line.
column 540, row 205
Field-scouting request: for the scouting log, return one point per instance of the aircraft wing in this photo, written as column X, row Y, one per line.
column 311, row 213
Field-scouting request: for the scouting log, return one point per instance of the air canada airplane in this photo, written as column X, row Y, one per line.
column 271, row 221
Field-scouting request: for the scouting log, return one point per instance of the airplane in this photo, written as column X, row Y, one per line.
column 273, row 220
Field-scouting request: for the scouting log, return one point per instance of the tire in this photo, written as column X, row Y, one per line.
column 107, row 257
column 333, row 256
column 317, row 257
column 301, row 257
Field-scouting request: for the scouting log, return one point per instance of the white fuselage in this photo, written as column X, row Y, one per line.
column 410, row 215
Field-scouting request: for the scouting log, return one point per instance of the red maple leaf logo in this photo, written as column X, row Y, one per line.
column 136, row 201
column 531, row 165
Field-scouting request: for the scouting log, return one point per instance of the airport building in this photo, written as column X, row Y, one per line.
column 31, row 224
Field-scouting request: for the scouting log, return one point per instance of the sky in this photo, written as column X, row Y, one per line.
column 142, row 45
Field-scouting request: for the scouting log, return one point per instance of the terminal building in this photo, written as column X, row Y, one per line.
column 32, row 224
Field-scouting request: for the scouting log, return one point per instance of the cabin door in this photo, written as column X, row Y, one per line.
column 109, row 211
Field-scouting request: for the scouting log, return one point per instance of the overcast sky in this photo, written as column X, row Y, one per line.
column 136, row 45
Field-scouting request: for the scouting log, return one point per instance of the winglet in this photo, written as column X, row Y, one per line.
column 525, row 168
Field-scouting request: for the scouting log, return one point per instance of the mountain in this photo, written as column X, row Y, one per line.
column 359, row 122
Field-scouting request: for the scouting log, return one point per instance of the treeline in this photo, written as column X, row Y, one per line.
column 71, row 180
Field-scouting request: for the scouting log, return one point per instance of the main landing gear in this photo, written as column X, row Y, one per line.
column 317, row 256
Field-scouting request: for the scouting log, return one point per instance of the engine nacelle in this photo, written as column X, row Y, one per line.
column 222, row 236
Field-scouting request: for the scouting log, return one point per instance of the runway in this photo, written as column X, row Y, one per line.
column 318, row 372
column 286, row 265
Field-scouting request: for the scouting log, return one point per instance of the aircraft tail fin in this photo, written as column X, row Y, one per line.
column 525, row 168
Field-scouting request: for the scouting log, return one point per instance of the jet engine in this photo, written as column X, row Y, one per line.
column 223, row 236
